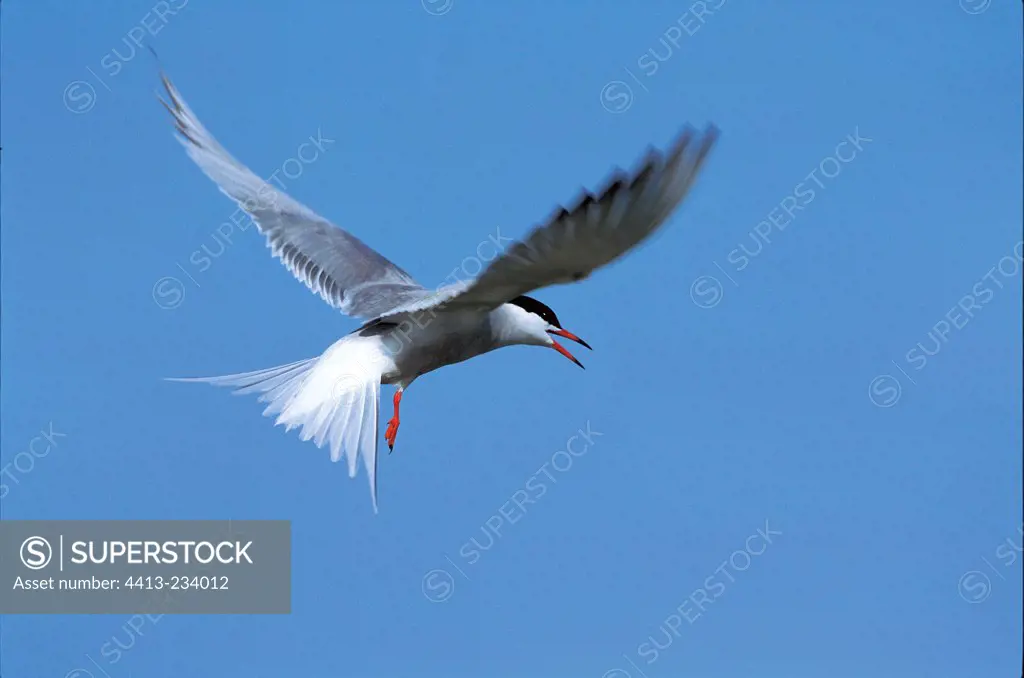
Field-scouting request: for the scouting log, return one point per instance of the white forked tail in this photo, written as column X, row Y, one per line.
column 333, row 398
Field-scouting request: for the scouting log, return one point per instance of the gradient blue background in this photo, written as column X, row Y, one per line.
column 713, row 420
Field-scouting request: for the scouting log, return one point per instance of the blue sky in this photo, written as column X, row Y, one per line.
column 824, row 343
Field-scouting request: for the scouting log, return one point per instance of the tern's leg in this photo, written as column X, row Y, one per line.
column 392, row 431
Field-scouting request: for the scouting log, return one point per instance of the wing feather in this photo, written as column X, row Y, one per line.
column 598, row 229
column 333, row 263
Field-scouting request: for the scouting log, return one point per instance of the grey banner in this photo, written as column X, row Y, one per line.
column 145, row 566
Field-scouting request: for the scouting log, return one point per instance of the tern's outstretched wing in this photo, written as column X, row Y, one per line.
column 344, row 271
column 598, row 229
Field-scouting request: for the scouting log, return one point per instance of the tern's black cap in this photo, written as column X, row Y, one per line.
column 531, row 305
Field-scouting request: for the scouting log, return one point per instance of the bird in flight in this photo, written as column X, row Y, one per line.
column 411, row 330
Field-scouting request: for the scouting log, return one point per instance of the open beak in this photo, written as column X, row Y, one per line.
column 561, row 349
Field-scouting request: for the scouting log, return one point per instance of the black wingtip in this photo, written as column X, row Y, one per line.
column 156, row 58
column 711, row 134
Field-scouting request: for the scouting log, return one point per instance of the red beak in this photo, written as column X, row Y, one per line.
column 561, row 349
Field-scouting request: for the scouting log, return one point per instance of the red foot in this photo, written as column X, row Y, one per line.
column 392, row 430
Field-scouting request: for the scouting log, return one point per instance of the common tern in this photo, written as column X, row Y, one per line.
column 411, row 330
